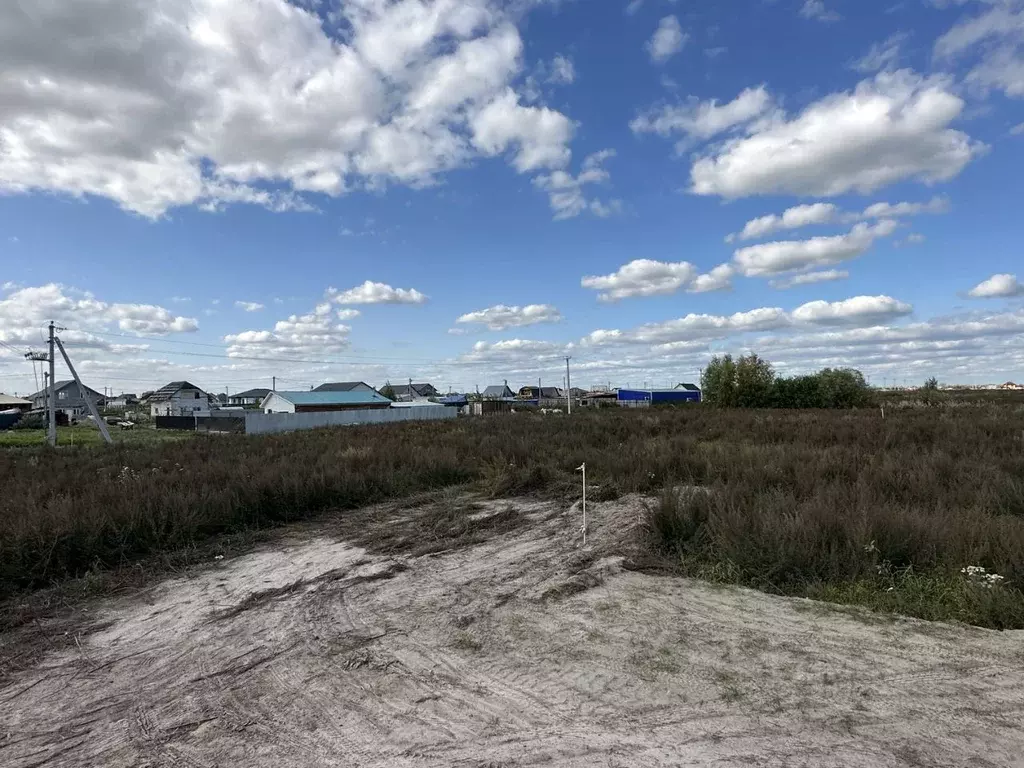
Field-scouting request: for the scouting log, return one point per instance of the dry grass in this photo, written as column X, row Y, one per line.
column 840, row 505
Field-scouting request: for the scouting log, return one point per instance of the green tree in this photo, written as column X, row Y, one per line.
column 797, row 392
column 718, row 382
column 755, row 380
column 388, row 391
column 843, row 388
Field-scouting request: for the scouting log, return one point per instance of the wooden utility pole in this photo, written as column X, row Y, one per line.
column 568, row 384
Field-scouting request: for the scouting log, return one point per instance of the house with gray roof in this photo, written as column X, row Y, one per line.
column 69, row 400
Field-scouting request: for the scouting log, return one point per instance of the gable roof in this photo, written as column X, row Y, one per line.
column 421, row 390
column 688, row 387
column 63, row 385
column 497, row 391
column 167, row 391
column 258, row 392
column 340, row 386
column 332, row 398
column 7, row 400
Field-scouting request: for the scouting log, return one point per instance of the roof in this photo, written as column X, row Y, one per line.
column 423, row 390
column 688, row 387
column 497, row 390
column 256, row 393
column 340, row 386
column 62, row 385
column 333, row 398
column 167, row 391
column 9, row 400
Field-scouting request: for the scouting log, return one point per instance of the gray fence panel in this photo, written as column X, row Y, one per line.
column 266, row 423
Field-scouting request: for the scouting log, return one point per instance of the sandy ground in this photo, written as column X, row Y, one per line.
column 522, row 650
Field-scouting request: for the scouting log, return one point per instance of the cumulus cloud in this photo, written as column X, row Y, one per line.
column 897, row 210
column 809, row 278
column 782, row 256
column 1017, row 130
column 641, row 277
column 815, row 9
column 566, row 192
column 792, row 218
column 513, row 350
column 667, row 41
column 1001, row 286
column 376, row 293
column 718, row 279
column 701, row 120
column 259, row 102
column 25, row 311
column 249, row 306
column 312, row 335
column 500, row 316
column 562, row 71
column 890, row 128
column 859, row 310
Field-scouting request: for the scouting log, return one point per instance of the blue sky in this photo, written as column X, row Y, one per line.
column 464, row 191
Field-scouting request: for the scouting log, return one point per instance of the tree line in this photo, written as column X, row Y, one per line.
column 751, row 382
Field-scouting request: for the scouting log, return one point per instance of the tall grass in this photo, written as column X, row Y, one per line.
column 841, row 505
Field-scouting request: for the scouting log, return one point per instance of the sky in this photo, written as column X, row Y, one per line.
column 464, row 192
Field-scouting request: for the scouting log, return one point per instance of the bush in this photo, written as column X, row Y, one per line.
column 750, row 382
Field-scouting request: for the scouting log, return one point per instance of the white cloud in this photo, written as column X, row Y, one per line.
column 641, row 277
column 890, row 211
column 25, row 311
column 566, row 192
column 313, row 335
column 633, row 6
column 249, row 306
column 998, row 33
column 514, row 350
column 667, row 41
column 809, row 278
column 1017, row 130
column 501, row 317
column 347, row 314
column 891, row 128
column 815, row 9
column 257, row 102
column 792, row 218
column 693, row 326
column 563, row 72
column 180, row 299
column 376, row 293
column 781, row 256
column 859, row 310
column 718, row 279
column 884, row 55
column 997, row 287
column 914, row 238
column 704, row 119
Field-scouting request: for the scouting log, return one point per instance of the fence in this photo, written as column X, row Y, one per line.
column 266, row 423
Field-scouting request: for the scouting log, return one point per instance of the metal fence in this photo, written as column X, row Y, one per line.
column 266, row 423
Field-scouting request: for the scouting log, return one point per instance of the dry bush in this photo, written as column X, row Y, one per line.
column 799, row 502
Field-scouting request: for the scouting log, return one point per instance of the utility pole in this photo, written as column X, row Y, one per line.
column 51, row 424
column 85, row 394
column 568, row 384
column 273, row 384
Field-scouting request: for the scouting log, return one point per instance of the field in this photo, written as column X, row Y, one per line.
column 86, row 434
column 839, row 505
column 419, row 594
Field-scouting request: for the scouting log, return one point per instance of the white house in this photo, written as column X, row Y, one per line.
column 179, row 398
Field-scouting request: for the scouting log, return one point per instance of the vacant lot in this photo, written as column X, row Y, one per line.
column 473, row 633
column 88, row 435
column 840, row 505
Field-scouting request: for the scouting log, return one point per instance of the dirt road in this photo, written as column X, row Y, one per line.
column 519, row 650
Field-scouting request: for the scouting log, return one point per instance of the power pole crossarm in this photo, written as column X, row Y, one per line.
column 85, row 395
column 51, row 400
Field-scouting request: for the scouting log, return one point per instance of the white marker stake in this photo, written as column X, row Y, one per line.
column 583, row 467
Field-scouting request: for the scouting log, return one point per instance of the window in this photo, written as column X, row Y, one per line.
column 197, row 396
column 62, row 395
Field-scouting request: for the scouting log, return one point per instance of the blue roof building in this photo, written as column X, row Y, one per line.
column 307, row 402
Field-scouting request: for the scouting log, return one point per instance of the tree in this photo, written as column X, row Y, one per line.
column 930, row 391
column 718, row 382
column 843, row 388
column 755, row 379
column 797, row 392
column 388, row 391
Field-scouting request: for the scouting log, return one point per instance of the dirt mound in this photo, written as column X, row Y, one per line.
column 507, row 645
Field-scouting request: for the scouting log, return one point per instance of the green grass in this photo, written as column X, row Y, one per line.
column 88, row 435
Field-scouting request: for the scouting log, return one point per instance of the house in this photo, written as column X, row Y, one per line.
column 179, row 398
column 8, row 403
column 345, row 386
column 688, row 387
column 69, row 400
column 408, row 392
column 498, row 392
column 546, row 393
column 599, row 399
column 249, row 397
column 122, row 401
column 1011, row 385
column 311, row 402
